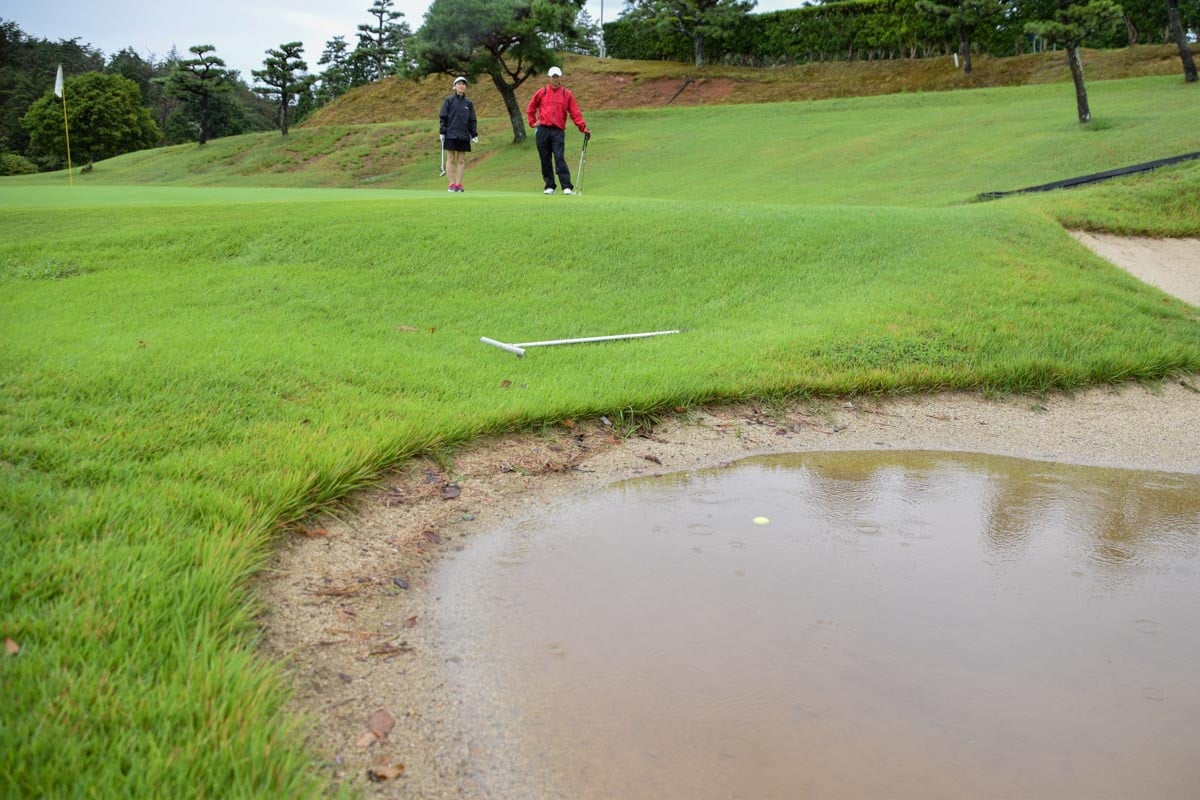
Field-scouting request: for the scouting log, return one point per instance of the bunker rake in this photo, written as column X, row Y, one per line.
column 519, row 349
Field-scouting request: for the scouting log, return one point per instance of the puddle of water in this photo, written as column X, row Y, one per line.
column 905, row 625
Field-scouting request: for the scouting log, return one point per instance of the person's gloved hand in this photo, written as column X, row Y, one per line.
column 475, row 139
column 587, row 135
column 442, row 138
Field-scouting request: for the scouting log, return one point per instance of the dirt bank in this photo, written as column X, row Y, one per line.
column 348, row 597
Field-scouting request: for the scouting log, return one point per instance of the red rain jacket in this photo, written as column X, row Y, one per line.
column 550, row 107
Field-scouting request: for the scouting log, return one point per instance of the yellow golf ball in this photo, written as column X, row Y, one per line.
column 761, row 520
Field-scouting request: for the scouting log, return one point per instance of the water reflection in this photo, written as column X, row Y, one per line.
column 907, row 625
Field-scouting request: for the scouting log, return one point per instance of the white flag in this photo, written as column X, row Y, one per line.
column 58, row 87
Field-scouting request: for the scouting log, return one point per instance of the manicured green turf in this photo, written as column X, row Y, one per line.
column 184, row 370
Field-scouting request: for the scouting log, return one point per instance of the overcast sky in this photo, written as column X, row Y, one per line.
column 240, row 30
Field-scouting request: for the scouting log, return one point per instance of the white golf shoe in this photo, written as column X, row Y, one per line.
column 549, row 191
column 568, row 191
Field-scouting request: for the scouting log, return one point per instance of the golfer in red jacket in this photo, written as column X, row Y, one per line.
column 547, row 112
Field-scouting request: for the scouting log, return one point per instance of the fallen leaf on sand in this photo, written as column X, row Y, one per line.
column 337, row 591
column 389, row 649
column 385, row 772
column 355, row 635
column 366, row 740
column 381, row 724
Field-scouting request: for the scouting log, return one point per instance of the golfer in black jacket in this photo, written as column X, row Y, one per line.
column 457, row 130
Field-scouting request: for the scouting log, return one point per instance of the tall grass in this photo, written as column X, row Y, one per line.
column 184, row 370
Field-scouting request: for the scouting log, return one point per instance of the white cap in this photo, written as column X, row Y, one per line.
column 460, row 78
column 554, row 71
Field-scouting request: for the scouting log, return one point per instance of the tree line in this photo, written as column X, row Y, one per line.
column 724, row 31
column 116, row 104
column 128, row 102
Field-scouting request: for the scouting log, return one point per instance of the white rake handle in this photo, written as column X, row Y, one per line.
column 519, row 348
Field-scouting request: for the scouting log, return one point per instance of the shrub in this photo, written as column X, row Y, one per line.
column 13, row 164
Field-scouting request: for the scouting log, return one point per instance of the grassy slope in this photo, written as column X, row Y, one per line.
column 926, row 149
column 185, row 369
column 618, row 84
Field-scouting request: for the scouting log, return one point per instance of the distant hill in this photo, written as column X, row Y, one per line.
column 617, row 84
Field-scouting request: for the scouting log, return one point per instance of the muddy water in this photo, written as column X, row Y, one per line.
column 905, row 625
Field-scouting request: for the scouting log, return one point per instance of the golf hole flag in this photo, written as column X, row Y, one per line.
column 59, row 91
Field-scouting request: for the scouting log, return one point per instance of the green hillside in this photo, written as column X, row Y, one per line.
column 932, row 148
column 605, row 84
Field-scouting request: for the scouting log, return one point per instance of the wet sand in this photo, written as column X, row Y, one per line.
column 768, row 629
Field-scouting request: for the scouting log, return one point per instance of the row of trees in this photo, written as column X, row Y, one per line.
column 176, row 98
column 724, row 30
column 115, row 105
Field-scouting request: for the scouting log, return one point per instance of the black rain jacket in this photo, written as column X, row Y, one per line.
column 457, row 120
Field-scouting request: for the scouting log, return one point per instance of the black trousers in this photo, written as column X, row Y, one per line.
column 550, row 143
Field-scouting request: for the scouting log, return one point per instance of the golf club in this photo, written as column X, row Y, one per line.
column 582, row 161
column 442, row 174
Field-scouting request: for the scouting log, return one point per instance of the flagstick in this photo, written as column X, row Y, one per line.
column 60, row 89
column 67, row 131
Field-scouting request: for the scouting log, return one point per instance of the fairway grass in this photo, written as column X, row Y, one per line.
column 187, row 370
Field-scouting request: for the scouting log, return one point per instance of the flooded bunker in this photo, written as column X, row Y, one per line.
column 854, row 624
